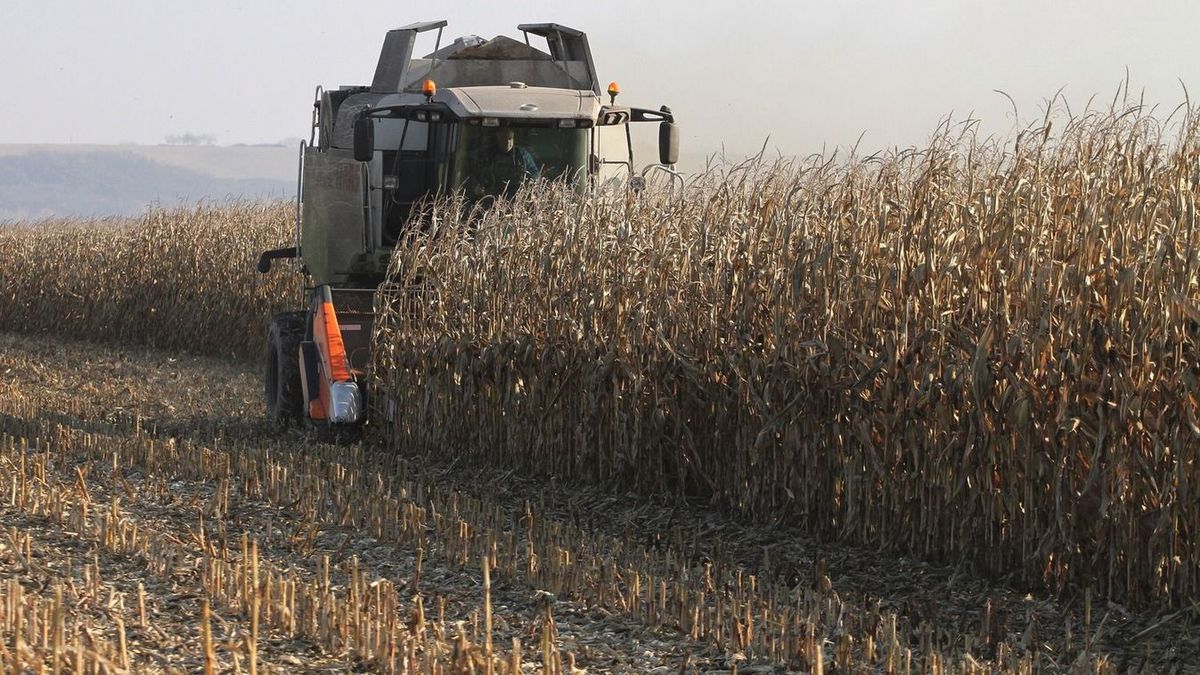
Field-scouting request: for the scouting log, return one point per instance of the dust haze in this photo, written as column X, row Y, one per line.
column 790, row 78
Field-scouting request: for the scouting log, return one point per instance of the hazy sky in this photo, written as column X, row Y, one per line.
column 805, row 73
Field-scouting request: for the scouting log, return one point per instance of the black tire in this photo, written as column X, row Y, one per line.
column 284, row 397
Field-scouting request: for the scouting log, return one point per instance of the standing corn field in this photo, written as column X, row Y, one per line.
column 179, row 278
column 977, row 351
column 980, row 351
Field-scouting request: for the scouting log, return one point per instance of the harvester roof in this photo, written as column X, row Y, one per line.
column 471, row 61
column 497, row 78
column 515, row 101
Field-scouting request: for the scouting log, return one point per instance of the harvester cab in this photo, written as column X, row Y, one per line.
column 476, row 118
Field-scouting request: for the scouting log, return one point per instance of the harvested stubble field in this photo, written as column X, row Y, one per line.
column 123, row 514
column 927, row 411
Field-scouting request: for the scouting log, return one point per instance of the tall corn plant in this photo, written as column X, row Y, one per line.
column 981, row 350
column 179, row 278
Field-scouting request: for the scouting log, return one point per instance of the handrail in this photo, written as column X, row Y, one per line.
column 316, row 115
column 300, row 215
column 673, row 173
column 367, row 240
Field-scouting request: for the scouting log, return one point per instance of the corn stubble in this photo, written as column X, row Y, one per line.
column 373, row 622
column 98, row 486
column 980, row 351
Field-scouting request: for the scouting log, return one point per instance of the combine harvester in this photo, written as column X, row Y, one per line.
column 478, row 117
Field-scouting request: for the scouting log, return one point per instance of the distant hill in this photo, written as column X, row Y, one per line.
column 41, row 182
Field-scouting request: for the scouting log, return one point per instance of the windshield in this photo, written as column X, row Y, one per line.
column 492, row 161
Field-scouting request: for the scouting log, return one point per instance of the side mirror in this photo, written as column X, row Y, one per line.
column 364, row 139
column 668, row 143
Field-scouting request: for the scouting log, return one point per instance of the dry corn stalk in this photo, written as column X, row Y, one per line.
column 977, row 351
column 181, row 278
